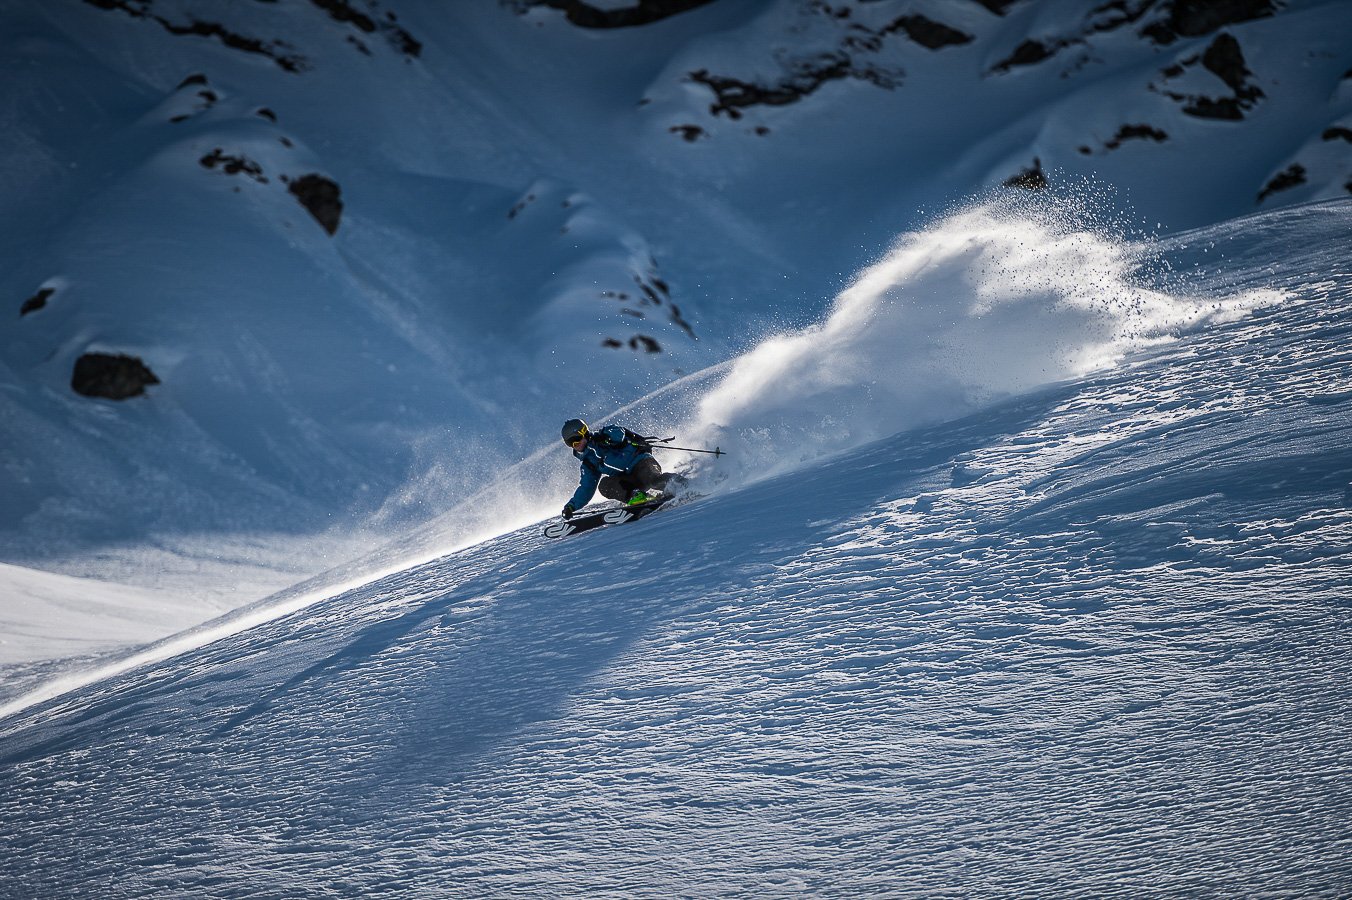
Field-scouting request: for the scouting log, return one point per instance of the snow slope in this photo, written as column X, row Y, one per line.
column 538, row 219
column 1089, row 638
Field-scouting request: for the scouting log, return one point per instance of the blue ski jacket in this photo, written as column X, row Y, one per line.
column 608, row 453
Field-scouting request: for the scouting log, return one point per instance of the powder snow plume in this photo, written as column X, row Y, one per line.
column 995, row 300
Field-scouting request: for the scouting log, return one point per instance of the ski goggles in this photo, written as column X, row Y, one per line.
column 576, row 437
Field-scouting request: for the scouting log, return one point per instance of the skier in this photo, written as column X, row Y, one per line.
column 616, row 460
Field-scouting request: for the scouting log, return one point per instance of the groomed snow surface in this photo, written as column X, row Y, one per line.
column 1086, row 639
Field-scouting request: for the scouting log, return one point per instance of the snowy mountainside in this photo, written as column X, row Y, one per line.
column 1086, row 639
column 349, row 260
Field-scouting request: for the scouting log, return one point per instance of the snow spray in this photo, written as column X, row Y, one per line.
column 994, row 300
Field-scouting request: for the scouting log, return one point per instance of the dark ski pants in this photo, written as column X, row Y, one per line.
column 647, row 475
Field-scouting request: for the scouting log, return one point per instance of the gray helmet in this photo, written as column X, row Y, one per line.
column 574, row 430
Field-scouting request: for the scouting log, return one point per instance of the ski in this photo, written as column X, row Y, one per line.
column 615, row 515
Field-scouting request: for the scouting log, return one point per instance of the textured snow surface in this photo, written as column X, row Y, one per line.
column 1089, row 640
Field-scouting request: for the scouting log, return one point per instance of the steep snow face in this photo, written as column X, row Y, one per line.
column 1088, row 640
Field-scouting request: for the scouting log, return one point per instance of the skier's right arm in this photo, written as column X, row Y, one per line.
column 586, row 487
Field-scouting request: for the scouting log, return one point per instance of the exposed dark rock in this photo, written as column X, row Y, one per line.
column 691, row 133
column 643, row 342
column 1292, row 176
column 1114, row 14
column 195, row 78
column 1106, row 17
column 343, row 11
column 519, row 206
column 679, row 320
column 111, row 377
column 322, row 197
column 1225, row 108
column 999, row 7
column 1224, row 59
column 732, row 95
column 37, row 301
column 266, row 113
column 1336, row 132
column 278, row 51
column 1194, row 18
column 611, row 342
column 234, row 165
column 1028, row 53
column 1031, row 179
column 927, row 32
column 643, row 12
column 1136, row 132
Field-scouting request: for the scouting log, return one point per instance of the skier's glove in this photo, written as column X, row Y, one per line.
column 568, row 511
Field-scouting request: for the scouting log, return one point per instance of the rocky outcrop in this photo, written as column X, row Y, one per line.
column 1292, row 176
column 922, row 30
column 37, row 301
column 1030, row 179
column 637, row 342
column 732, row 95
column 642, row 12
column 278, row 51
column 111, row 377
column 321, row 196
column 234, row 165
column 1223, row 58
column 1194, row 18
column 847, row 57
column 372, row 20
column 1140, row 132
column 691, row 133
column 371, row 23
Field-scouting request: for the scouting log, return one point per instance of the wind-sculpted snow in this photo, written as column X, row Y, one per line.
column 992, row 301
column 1087, row 641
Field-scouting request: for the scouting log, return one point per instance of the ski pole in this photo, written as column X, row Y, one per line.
column 665, row 446
column 715, row 451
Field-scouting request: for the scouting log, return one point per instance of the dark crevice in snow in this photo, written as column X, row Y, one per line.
column 1338, row 132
